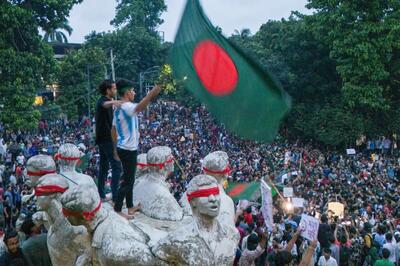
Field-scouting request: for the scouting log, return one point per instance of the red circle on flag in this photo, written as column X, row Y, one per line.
column 215, row 68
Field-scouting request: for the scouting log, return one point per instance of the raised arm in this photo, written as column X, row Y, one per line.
column 147, row 99
column 292, row 241
column 109, row 104
column 309, row 253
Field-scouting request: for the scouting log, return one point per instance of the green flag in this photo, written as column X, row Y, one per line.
column 235, row 89
column 249, row 191
column 83, row 163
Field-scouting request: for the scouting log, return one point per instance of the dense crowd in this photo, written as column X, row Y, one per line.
column 367, row 183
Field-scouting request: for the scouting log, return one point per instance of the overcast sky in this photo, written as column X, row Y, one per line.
column 228, row 14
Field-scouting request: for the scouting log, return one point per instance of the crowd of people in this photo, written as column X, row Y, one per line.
column 367, row 183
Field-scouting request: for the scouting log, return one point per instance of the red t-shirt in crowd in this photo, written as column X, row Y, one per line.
column 248, row 218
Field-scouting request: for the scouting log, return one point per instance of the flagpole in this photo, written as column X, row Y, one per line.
column 180, row 168
column 277, row 190
column 273, row 185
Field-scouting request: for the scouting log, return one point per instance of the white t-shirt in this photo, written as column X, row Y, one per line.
column 13, row 179
column 126, row 123
column 20, row 159
column 392, row 248
column 323, row 262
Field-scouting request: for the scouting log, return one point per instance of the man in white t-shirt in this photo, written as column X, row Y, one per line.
column 391, row 246
column 125, row 136
column 21, row 159
column 326, row 259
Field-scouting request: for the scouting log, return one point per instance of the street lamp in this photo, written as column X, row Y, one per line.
column 142, row 75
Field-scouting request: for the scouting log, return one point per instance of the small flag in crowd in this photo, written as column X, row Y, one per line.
column 246, row 191
column 235, row 89
column 83, row 163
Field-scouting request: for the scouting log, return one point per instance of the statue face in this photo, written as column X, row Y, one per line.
column 208, row 206
column 32, row 181
column 169, row 168
column 43, row 202
column 75, row 220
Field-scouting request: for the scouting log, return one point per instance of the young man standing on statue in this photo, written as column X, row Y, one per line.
column 125, row 135
column 108, row 155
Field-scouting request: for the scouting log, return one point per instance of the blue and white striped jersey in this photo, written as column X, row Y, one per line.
column 126, row 123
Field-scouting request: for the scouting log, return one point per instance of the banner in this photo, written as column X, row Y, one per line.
column 266, row 204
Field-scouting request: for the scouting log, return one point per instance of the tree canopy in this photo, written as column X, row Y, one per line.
column 26, row 62
column 341, row 64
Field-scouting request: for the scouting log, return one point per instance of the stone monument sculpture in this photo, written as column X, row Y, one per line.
column 67, row 244
column 115, row 241
column 67, row 157
column 38, row 166
column 141, row 167
column 152, row 192
column 83, row 231
column 216, row 164
column 203, row 241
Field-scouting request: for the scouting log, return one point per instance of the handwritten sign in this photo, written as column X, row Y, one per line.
column 288, row 192
column 309, row 227
column 298, row 202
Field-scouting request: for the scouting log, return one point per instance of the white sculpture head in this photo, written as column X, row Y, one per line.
column 216, row 164
column 68, row 155
column 49, row 187
column 160, row 160
column 141, row 165
column 82, row 206
column 38, row 166
column 203, row 196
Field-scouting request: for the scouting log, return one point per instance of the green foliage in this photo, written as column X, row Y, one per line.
column 80, row 73
column 50, row 110
column 173, row 89
column 135, row 50
column 26, row 62
column 341, row 65
column 139, row 14
column 55, row 36
column 363, row 38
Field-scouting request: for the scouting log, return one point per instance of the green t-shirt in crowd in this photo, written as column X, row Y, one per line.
column 383, row 262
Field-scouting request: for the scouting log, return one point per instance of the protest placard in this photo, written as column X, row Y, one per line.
column 336, row 208
column 309, row 227
column 298, row 202
column 288, row 192
column 350, row 151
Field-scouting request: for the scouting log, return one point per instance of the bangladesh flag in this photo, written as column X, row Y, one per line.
column 83, row 163
column 235, row 89
column 247, row 191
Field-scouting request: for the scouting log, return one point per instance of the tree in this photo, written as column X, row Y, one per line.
column 80, row 73
column 135, row 50
column 363, row 41
column 55, row 35
column 139, row 13
column 243, row 34
column 26, row 62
